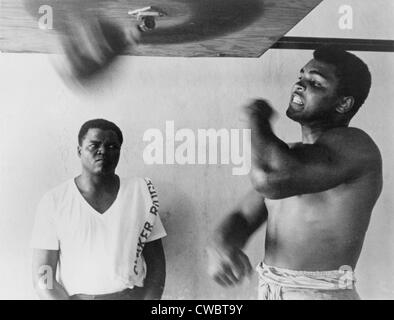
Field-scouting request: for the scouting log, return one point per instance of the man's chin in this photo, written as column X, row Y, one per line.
column 292, row 114
column 103, row 172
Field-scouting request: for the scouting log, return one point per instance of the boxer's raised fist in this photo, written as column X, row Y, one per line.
column 259, row 109
column 92, row 43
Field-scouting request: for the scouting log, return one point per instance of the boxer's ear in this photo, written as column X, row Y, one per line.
column 345, row 104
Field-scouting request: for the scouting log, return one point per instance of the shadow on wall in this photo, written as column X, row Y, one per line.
column 180, row 219
column 188, row 225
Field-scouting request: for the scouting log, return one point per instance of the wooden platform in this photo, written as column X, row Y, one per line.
column 193, row 28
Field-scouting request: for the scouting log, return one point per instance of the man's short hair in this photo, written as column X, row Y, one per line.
column 99, row 124
column 353, row 74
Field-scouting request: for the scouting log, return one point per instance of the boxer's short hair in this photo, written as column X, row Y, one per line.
column 99, row 124
column 353, row 74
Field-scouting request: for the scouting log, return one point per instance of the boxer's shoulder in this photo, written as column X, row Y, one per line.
column 349, row 138
column 353, row 145
column 347, row 133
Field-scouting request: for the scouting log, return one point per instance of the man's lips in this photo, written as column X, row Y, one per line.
column 297, row 99
column 296, row 102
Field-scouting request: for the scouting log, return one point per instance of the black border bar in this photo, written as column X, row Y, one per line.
column 311, row 43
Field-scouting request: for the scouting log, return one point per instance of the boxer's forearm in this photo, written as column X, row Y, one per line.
column 44, row 275
column 156, row 271
column 153, row 290
column 269, row 153
column 55, row 293
column 234, row 231
column 154, row 283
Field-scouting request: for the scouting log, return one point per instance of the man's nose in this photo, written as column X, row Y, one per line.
column 101, row 150
column 299, row 86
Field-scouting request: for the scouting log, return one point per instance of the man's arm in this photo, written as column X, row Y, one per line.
column 44, row 275
column 156, row 270
column 339, row 156
column 227, row 264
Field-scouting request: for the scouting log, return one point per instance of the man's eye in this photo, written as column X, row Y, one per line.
column 315, row 84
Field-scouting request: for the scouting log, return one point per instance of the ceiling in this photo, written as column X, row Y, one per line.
column 192, row 28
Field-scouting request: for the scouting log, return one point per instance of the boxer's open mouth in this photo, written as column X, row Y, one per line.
column 297, row 100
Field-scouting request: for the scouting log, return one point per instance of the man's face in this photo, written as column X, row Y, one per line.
column 314, row 96
column 100, row 151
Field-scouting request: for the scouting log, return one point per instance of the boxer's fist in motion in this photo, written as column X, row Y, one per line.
column 227, row 266
column 91, row 43
column 259, row 110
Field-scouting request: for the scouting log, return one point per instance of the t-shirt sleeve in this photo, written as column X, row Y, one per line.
column 44, row 234
column 158, row 230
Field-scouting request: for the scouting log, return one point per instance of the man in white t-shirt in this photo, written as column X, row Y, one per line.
column 98, row 236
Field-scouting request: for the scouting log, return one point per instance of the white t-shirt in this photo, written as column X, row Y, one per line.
column 99, row 253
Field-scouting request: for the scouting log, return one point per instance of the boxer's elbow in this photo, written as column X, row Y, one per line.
column 269, row 184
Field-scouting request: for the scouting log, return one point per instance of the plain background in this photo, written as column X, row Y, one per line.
column 40, row 118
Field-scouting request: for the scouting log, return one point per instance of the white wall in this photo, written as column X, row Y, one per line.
column 40, row 118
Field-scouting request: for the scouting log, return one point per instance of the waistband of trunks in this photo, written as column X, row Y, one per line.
column 106, row 296
column 343, row 278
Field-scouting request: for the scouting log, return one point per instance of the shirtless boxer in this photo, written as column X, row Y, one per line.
column 316, row 195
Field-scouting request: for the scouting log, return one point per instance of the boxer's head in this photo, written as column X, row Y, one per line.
column 99, row 143
column 331, row 86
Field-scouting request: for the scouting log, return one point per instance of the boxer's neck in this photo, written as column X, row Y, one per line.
column 96, row 183
column 312, row 132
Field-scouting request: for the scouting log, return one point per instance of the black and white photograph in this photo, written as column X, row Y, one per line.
column 198, row 150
